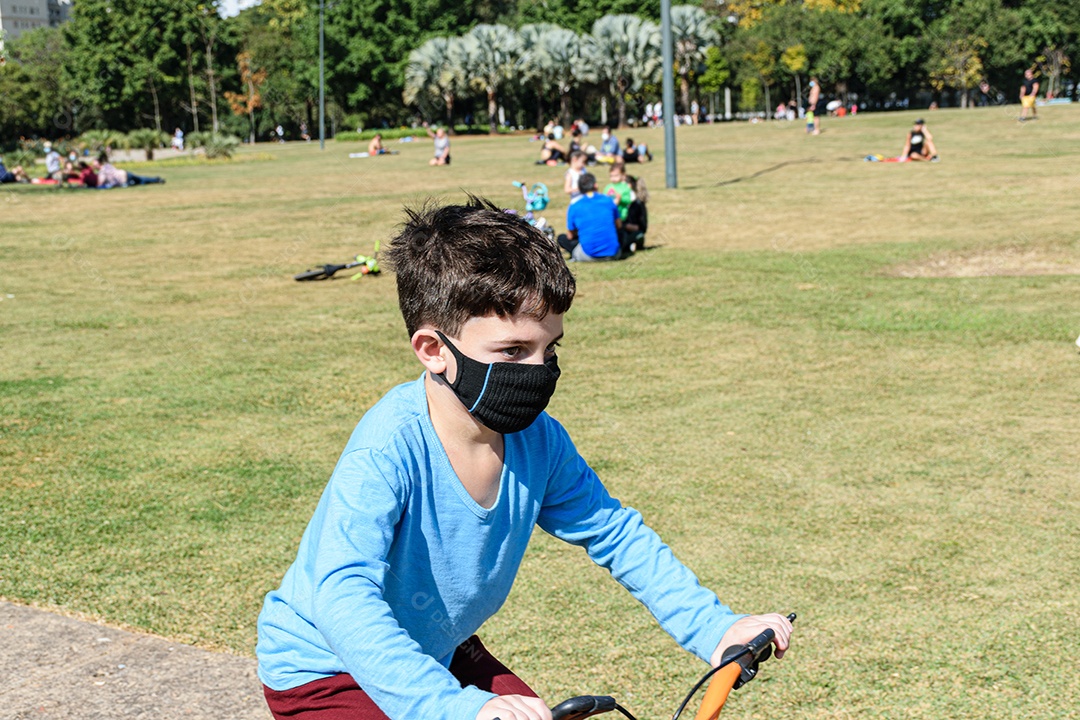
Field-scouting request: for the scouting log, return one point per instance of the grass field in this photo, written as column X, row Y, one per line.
column 839, row 388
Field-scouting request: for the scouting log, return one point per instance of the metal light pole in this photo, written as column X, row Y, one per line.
column 671, row 174
column 322, row 89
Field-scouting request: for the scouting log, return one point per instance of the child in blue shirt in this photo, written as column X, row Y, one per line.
column 423, row 524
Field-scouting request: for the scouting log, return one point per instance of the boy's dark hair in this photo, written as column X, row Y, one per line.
column 574, row 155
column 457, row 262
column 586, row 183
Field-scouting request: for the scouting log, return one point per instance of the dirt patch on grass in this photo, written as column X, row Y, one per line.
column 1008, row 261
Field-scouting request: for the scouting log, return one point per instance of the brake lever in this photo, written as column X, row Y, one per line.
column 755, row 652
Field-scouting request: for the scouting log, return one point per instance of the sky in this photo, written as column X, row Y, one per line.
column 233, row 7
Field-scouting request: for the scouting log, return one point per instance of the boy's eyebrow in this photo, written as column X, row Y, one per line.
column 519, row 341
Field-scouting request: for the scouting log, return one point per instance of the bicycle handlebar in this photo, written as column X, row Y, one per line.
column 583, row 706
column 738, row 666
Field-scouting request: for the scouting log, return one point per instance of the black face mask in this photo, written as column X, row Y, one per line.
column 506, row 397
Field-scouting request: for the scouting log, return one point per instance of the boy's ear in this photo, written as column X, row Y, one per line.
column 429, row 350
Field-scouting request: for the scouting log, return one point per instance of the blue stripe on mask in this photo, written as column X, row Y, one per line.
column 480, row 397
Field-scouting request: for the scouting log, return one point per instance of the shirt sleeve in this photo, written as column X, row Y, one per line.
column 578, row 509
column 571, row 218
column 356, row 528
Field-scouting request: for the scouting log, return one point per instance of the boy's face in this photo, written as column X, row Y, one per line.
column 517, row 338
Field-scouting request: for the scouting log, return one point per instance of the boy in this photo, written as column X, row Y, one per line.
column 421, row 529
column 618, row 189
column 592, row 225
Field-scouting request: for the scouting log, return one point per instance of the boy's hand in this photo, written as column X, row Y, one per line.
column 749, row 628
column 514, row 707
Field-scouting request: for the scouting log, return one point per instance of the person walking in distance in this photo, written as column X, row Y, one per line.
column 1028, row 90
column 814, row 108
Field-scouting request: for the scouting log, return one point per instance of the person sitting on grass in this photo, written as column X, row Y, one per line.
column 592, row 225
column 552, row 152
column 53, row 164
column 70, row 173
column 609, row 147
column 573, row 175
column 375, row 147
column 632, row 238
column 442, row 146
column 576, row 145
column 619, row 189
column 421, row 530
column 919, row 144
column 636, row 152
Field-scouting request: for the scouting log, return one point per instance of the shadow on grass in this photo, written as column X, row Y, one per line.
column 759, row 173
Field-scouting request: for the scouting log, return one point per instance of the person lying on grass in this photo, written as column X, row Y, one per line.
column 14, row 175
column 421, row 529
column 109, row 176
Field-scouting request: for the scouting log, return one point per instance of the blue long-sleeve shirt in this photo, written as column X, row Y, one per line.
column 399, row 565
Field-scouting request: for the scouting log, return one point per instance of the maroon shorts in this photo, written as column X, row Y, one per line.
column 340, row 698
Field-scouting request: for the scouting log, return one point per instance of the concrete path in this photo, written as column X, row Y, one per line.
column 55, row 667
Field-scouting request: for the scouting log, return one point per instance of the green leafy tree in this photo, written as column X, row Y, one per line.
column 975, row 39
column 794, row 61
column 717, row 72
column 956, row 63
column 35, row 92
column 1054, row 63
column 578, row 15
column 763, row 62
column 280, row 38
column 143, row 81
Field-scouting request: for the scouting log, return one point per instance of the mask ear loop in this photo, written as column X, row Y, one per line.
column 461, row 358
column 457, row 356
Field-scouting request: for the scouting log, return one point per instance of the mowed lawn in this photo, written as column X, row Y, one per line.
column 844, row 389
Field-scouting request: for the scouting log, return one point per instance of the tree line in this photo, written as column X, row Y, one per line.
column 128, row 64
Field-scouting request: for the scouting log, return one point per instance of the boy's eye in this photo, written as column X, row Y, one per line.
column 511, row 352
column 551, row 348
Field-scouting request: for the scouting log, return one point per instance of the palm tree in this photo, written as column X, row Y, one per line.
column 565, row 57
column 498, row 53
column 429, row 72
column 624, row 51
column 463, row 55
column 535, row 68
column 147, row 139
column 693, row 34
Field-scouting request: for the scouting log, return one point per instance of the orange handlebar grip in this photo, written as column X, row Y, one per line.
column 717, row 693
